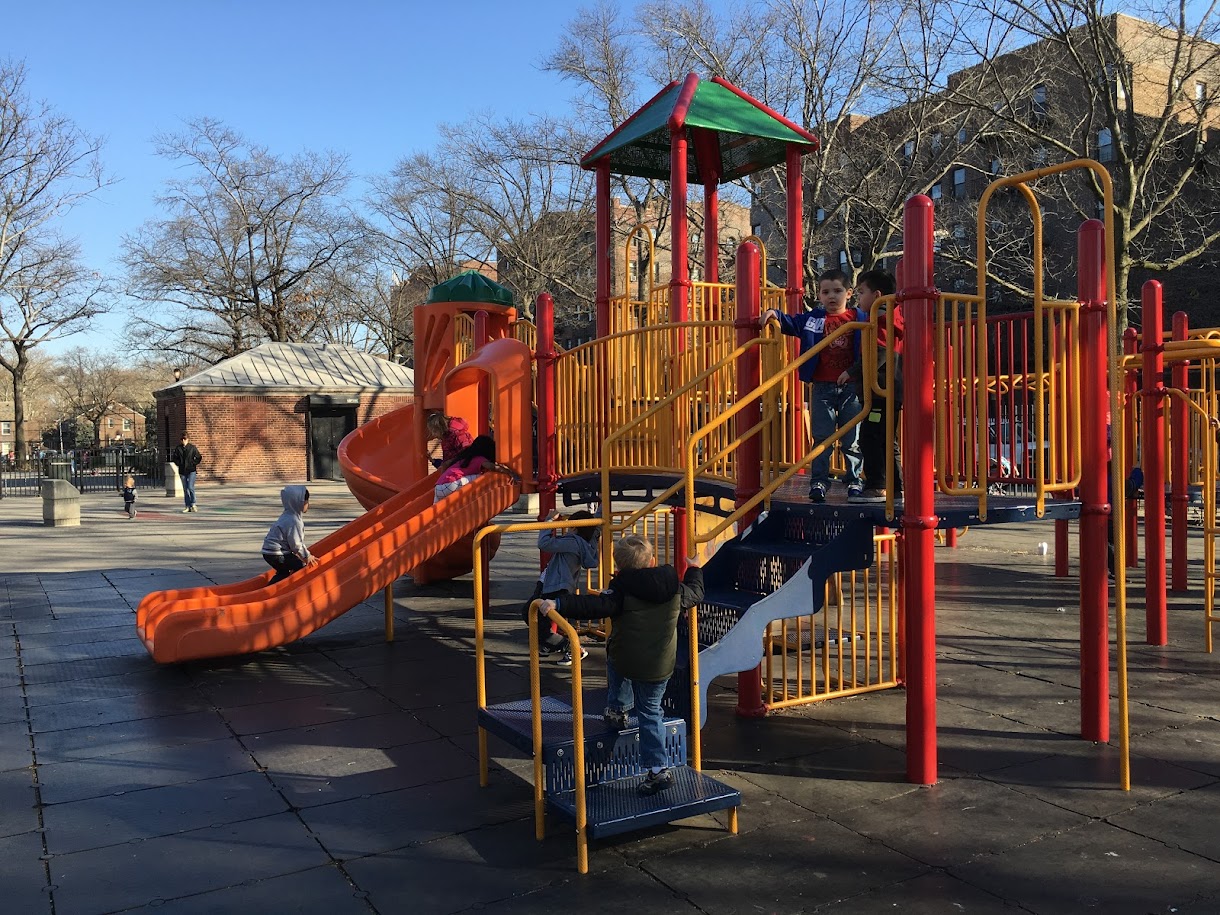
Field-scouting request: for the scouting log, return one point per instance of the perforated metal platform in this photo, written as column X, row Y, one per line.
column 616, row 807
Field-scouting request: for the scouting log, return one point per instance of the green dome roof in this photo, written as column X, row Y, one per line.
column 471, row 286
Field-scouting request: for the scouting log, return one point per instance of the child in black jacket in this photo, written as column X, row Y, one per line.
column 643, row 601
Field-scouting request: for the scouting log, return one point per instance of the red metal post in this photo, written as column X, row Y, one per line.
column 749, row 455
column 918, row 298
column 679, row 283
column 548, row 452
column 711, row 237
column 794, row 178
column 601, row 235
column 1094, row 510
column 1153, row 432
column 1131, row 346
column 1179, row 452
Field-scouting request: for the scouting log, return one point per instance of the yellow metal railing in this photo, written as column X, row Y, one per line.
column 463, row 337
column 527, row 332
column 854, row 649
column 609, row 383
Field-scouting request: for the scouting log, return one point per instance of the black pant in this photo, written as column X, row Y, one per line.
column 547, row 637
column 283, row 565
column 872, row 448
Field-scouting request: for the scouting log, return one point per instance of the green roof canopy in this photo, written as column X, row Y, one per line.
column 740, row 136
column 471, row 286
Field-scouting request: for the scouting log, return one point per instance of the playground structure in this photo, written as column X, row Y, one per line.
column 682, row 417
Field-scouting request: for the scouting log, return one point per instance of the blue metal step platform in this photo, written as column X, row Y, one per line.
column 617, row 807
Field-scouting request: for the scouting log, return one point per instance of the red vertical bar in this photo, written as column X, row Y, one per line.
column 796, row 233
column 711, row 242
column 679, row 283
column 1155, row 597
column 601, row 234
column 1179, row 472
column 1131, row 346
column 919, row 517
column 749, row 454
column 1094, row 510
column 548, row 443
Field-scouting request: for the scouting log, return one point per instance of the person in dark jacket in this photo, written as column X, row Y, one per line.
column 187, row 459
column 284, row 547
column 643, row 602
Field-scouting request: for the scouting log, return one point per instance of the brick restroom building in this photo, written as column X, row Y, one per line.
column 279, row 411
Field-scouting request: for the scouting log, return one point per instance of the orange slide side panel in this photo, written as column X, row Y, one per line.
column 219, row 625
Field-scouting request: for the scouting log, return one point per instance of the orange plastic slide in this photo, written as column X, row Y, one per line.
column 364, row 557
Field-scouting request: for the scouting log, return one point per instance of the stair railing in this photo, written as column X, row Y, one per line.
column 767, row 393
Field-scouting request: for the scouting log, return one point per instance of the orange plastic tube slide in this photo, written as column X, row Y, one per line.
column 405, row 535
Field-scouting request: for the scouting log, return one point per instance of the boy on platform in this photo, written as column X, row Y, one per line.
column 832, row 402
column 872, row 285
column 643, row 602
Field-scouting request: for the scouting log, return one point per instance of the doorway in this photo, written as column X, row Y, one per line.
column 328, row 424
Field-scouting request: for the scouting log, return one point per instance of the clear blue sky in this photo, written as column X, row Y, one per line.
column 371, row 78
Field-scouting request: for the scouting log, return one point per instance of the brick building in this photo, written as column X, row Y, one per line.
column 279, row 411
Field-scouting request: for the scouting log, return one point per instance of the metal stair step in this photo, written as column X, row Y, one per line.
column 786, row 549
column 615, row 807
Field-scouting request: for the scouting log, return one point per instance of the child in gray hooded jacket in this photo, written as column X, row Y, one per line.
column 284, row 547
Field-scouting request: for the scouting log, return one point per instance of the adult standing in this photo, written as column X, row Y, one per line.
column 187, row 459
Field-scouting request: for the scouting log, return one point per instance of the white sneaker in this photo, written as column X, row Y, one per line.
column 566, row 660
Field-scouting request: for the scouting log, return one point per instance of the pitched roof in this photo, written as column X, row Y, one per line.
column 740, row 135
column 304, row 366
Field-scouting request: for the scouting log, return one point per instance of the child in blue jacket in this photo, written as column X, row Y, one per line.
column 832, row 402
column 572, row 551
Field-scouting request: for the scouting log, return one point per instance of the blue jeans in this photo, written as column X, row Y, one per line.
column 831, row 405
column 646, row 697
column 188, row 488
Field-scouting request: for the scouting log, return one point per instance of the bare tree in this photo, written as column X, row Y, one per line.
column 1066, row 79
column 47, row 166
column 89, row 384
column 245, row 252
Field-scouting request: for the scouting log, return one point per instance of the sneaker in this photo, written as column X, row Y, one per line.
column 615, row 718
column 194, row 508
column 853, row 492
column 656, row 781
column 187, row 510
column 867, row 495
column 817, row 492
column 566, row 660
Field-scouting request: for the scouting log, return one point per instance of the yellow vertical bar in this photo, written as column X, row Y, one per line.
column 536, row 725
column 696, row 711
column 389, row 612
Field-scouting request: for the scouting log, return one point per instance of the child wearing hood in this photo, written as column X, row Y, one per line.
column 284, row 548
column 643, row 601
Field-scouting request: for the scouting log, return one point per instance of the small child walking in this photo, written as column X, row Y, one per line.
column 128, row 489
column 643, row 601
column 476, row 458
column 284, row 547
column 572, row 551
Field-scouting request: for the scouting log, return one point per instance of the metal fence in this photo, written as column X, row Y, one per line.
column 87, row 470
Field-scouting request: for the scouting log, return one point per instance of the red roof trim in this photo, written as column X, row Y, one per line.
column 720, row 81
column 588, row 162
column 677, row 119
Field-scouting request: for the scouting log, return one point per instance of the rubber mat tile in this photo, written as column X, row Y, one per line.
column 383, row 822
column 928, row 894
column 22, row 875
column 12, row 704
column 78, row 623
column 1187, row 821
column 115, row 819
column 125, row 772
column 59, row 639
column 89, row 668
column 15, row 746
column 126, row 646
column 141, row 735
column 322, row 889
column 345, row 772
column 137, row 873
column 151, row 682
column 310, row 710
column 108, row 711
column 395, row 729
column 18, row 808
column 633, row 892
column 1098, row 868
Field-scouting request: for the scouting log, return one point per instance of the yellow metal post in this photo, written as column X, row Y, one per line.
column 389, row 612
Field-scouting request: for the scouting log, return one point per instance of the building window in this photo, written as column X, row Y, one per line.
column 908, row 151
column 959, row 231
column 819, row 215
column 1040, row 101
column 843, row 262
column 109, row 422
column 127, row 425
column 959, row 182
column 1200, row 92
column 938, row 140
column 821, row 262
column 962, row 136
column 6, row 428
column 935, row 193
column 1115, row 81
column 1041, row 156
column 996, row 166
column 1105, row 145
